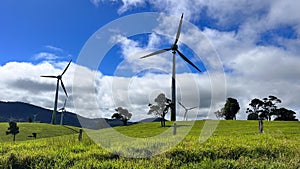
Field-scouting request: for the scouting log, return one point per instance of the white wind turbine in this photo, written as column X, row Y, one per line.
column 186, row 110
column 59, row 79
column 174, row 49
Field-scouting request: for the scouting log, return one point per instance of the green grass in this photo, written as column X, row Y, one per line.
column 234, row 144
column 42, row 130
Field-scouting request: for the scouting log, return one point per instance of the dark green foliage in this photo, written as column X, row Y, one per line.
column 122, row 115
column 285, row 114
column 266, row 108
column 13, row 129
column 269, row 106
column 252, row 116
column 231, row 108
column 256, row 105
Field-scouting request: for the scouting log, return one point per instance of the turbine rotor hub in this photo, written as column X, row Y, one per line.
column 174, row 47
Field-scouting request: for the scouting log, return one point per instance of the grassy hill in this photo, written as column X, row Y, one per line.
column 42, row 130
column 234, row 144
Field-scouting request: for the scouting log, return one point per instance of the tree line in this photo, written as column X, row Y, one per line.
column 258, row 109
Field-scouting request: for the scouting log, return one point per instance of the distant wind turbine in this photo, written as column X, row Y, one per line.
column 62, row 110
column 34, row 117
column 59, row 78
column 186, row 110
column 174, row 49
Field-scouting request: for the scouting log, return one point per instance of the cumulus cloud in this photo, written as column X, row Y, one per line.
column 94, row 94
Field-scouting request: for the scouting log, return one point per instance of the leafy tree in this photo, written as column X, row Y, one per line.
column 269, row 107
column 219, row 113
column 122, row 115
column 255, row 109
column 161, row 108
column 231, row 108
column 252, row 116
column 285, row 115
column 13, row 129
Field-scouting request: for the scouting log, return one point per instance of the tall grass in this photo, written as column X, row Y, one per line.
column 234, row 144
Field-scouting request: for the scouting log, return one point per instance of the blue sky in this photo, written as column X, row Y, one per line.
column 29, row 26
column 257, row 44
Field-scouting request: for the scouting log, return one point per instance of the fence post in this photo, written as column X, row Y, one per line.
column 80, row 135
column 261, row 126
column 174, row 130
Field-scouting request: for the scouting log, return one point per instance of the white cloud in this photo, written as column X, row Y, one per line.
column 53, row 48
column 45, row 56
column 284, row 12
column 22, row 82
column 126, row 4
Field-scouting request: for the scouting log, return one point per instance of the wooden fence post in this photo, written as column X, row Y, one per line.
column 80, row 135
column 174, row 130
column 261, row 126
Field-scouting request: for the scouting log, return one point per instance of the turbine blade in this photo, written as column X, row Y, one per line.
column 157, row 52
column 66, row 68
column 63, row 86
column 50, row 76
column 179, row 30
column 181, row 105
column 192, row 108
column 187, row 60
column 65, row 103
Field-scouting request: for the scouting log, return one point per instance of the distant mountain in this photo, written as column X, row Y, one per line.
column 22, row 112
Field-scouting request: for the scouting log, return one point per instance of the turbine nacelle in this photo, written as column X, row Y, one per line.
column 174, row 47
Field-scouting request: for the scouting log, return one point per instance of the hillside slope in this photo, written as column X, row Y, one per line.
column 21, row 112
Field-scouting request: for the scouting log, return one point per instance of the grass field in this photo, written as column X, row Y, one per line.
column 234, row 144
column 42, row 130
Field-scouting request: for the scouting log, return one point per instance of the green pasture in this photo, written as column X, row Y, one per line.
column 234, row 144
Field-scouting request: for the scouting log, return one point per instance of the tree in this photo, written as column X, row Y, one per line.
column 269, row 107
column 231, row 108
column 13, row 129
column 255, row 109
column 161, row 108
column 219, row 113
column 285, row 115
column 252, row 116
column 122, row 115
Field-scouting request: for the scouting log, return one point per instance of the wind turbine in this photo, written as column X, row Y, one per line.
column 174, row 49
column 62, row 110
column 34, row 117
column 59, row 78
column 186, row 110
